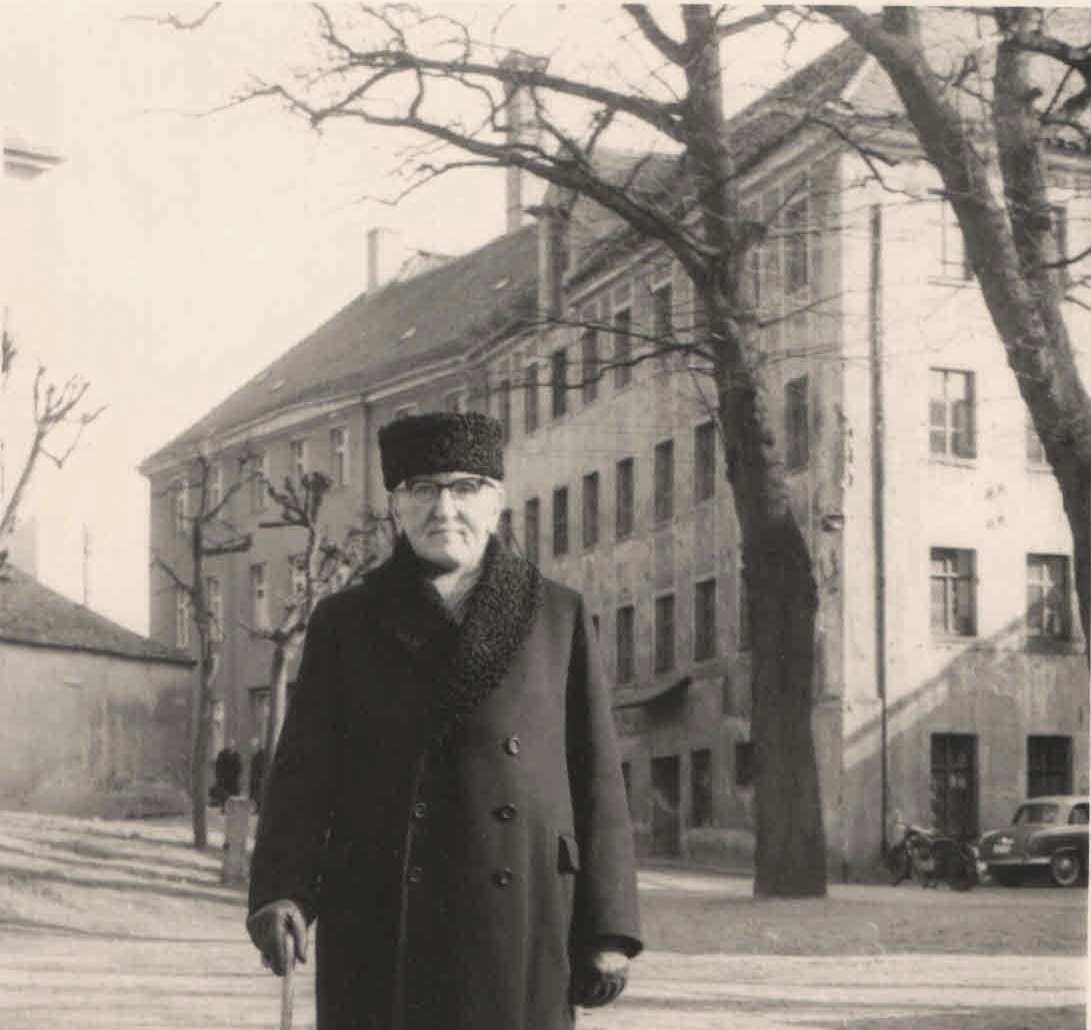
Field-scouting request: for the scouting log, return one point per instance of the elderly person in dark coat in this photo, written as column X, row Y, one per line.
column 446, row 796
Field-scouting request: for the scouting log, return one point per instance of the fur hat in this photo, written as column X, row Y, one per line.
column 441, row 441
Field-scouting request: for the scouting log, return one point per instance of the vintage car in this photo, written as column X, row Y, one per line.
column 1046, row 833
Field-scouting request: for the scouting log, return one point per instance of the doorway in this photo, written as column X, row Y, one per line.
column 954, row 784
column 665, row 806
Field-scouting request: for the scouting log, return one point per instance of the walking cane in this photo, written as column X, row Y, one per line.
column 287, row 994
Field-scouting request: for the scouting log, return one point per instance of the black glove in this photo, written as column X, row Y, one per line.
column 279, row 932
column 600, row 979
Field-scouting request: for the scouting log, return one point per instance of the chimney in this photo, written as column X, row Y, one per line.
column 518, row 130
column 385, row 256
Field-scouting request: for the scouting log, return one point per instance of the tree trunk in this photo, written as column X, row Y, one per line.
column 201, row 738
column 790, row 852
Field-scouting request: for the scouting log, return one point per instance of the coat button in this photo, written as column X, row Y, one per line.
column 415, row 874
column 420, row 810
column 503, row 877
column 505, row 813
column 511, row 745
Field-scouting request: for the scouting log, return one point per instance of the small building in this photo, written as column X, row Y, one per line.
column 96, row 717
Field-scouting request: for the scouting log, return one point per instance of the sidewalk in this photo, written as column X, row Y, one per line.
column 123, row 925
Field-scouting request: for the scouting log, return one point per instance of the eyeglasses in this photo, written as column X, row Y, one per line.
column 428, row 491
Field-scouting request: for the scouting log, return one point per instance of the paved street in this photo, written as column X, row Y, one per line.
column 111, row 926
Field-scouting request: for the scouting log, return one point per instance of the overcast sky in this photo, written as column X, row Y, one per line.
column 171, row 256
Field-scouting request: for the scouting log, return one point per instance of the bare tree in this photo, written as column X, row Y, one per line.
column 57, row 411
column 204, row 528
column 321, row 567
column 1019, row 121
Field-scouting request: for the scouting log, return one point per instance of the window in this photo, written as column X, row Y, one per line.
column 701, row 792
column 752, row 213
column 257, row 469
column 215, row 602
column 259, row 598
column 664, row 480
column 662, row 311
column 627, row 779
column 951, row 413
column 956, row 265
column 664, row 633
column 1047, row 597
column 704, row 620
column 626, row 644
column 181, row 618
column 505, row 408
column 704, row 461
column 589, row 345
column 560, row 521
column 180, row 506
column 590, row 509
column 796, row 248
column 454, row 401
column 503, row 529
column 623, row 348
column 558, row 366
column 744, row 763
column 625, row 507
column 532, row 530
column 745, row 635
column 1049, row 766
column 796, row 424
column 215, row 486
column 1036, row 452
column 954, row 591
column 299, row 459
column 339, row 465
column 530, row 411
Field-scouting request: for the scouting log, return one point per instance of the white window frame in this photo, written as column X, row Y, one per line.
column 259, row 595
column 339, row 455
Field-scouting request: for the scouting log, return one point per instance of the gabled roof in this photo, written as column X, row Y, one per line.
column 442, row 312
column 32, row 614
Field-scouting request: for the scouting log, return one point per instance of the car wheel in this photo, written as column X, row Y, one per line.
column 1064, row 869
column 1005, row 877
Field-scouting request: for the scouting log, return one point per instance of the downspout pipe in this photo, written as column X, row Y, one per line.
column 878, row 484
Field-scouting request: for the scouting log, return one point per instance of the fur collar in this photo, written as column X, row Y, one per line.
column 468, row 661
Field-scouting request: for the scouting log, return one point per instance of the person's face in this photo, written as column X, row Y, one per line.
column 448, row 517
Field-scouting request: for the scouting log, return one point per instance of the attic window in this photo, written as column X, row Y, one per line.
column 501, row 283
column 409, row 333
column 276, row 386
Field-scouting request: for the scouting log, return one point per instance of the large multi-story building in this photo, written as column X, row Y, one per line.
column 950, row 677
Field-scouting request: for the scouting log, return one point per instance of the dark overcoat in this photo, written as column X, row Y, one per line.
column 447, row 800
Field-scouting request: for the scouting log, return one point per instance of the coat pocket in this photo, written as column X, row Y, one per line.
column 568, row 853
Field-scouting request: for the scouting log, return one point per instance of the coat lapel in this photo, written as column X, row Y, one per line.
column 466, row 662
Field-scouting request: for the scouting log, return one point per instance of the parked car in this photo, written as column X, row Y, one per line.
column 1045, row 833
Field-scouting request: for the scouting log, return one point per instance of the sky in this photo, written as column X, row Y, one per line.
column 175, row 252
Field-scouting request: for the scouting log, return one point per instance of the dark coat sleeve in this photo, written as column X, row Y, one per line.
column 606, row 898
column 298, row 797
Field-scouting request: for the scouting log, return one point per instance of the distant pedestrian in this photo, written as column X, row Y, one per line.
column 228, row 773
column 257, row 772
column 446, row 796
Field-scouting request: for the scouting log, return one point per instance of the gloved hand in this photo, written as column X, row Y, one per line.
column 600, row 979
column 279, row 932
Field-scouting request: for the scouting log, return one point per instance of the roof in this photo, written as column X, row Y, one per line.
column 441, row 312
column 32, row 614
column 753, row 133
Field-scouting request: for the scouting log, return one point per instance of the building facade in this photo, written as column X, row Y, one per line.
column 950, row 679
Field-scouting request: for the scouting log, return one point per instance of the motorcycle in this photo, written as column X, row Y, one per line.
column 929, row 858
